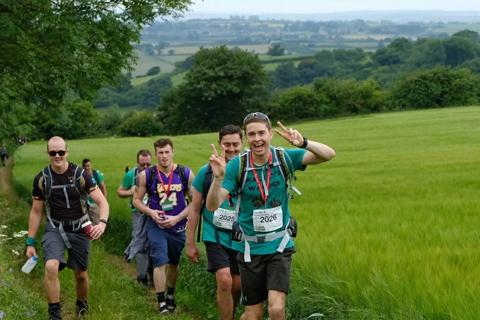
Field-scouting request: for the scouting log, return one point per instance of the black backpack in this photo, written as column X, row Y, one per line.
column 180, row 170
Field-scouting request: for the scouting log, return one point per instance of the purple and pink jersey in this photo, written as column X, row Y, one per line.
column 175, row 195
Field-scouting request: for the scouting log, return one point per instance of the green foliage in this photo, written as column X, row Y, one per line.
column 297, row 103
column 141, row 124
column 219, row 88
column 350, row 96
column 153, row 71
column 438, row 87
column 459, row 49
column 54, row 49
column 285, row 75
column 73, row 119
column 276, row 50
column 147, row 95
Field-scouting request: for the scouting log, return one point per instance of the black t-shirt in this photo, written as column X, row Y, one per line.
column 58, row 203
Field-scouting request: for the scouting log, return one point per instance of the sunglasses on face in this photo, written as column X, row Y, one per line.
column 53, row 153
column 256, row 115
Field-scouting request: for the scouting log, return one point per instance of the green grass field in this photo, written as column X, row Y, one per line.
column 387, row 230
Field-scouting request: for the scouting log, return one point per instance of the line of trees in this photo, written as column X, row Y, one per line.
column 48, row 89
column 57, row 53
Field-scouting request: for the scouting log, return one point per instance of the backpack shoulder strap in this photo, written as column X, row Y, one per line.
column 207, row 182
column 242, row 170
column 206, row 186
column 149, row 177
column 79, row 180
column 281, row 156
column 181, row 170
column 46, row 185
column 135, row 174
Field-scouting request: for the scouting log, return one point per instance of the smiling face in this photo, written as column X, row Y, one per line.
column 143, row 162
column 57, row 151
column 259, row 137
column 232, row 144
column 87, row 166
column 164, row 156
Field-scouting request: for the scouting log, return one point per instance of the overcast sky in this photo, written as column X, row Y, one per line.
column 323, row 6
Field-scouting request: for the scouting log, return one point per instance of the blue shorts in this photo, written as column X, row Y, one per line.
column 165, row 246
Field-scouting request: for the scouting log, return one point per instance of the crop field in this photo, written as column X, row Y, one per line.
column 387, row 230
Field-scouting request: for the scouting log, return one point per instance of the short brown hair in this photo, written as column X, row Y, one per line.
column 257, row 117
column 229, row 129
column 143, row 153
column 160, row 143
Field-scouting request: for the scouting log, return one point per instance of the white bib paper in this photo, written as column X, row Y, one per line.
column 224, row 218
column 266, row 220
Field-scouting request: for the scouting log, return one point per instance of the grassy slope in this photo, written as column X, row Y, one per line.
column 387, row 229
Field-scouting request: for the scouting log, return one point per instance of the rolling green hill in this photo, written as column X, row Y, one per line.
column 387, row 229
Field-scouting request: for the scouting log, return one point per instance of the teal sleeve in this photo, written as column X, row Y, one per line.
column 199, row 179
column 296, row 157
column 231, row 175
column 127, row 180
column 100, row 177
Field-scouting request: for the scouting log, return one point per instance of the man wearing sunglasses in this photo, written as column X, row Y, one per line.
column 138, row 247
column 264, row 222
column 60, row 189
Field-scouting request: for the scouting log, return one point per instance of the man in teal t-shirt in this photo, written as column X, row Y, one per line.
column 98, row 178
column 264, row 216
column 217, row 226
column 138, row 246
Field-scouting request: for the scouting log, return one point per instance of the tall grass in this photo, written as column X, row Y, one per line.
column 387, row 230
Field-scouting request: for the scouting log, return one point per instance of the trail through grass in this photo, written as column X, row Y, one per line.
column 387, row 230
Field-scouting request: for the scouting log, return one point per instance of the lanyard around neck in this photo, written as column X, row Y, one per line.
column 264, row 189
column 170, row 178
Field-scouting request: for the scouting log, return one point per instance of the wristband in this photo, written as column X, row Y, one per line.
column 104, row 221
column 30, row 242
column 304, row 144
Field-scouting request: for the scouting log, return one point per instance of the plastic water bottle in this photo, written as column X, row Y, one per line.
column 30, row 264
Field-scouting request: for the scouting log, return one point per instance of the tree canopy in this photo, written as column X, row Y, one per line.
column 220, row 87
column 52, row 51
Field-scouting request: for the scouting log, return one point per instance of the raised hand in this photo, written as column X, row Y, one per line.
column 218, row 163
column 291, row 135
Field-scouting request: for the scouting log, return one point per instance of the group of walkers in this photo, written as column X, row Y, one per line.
column 240, row 198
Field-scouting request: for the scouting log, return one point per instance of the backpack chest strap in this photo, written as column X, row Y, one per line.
column 284, row 234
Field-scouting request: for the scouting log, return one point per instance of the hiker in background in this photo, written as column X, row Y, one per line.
column 167, row 184
column 264, row 224
column 3, row 154
column 138, row 246
column 100, row 182
column 217, row 228
column 62, row 189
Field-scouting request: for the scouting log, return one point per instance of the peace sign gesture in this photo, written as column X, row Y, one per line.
column 291, row 135
column 218, row 163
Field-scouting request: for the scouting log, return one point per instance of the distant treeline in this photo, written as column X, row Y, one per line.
column 252, row 30
column 221, row 84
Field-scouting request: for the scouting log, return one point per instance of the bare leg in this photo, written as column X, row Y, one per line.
column 52, row 283
column 83, row 285
column 276, row 304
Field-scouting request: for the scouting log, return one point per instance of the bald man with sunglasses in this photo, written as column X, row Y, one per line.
column 59, row 190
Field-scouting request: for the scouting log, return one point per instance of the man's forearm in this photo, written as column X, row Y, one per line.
column 214, row 198
column 318, row 152
column 192, row 224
